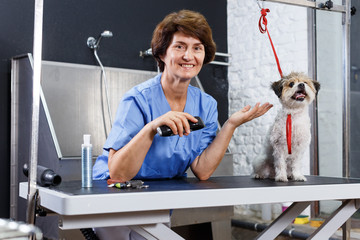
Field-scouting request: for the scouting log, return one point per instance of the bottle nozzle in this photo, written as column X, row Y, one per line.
column 87, row 139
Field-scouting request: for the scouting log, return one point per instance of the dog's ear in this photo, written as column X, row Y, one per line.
column 277, row 87
column 317, row 86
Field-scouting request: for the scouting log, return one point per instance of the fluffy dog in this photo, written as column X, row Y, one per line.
column 283, row 154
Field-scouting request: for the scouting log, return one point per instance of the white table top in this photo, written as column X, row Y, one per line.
column 70, row 199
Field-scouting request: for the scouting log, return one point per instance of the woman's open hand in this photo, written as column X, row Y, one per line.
column 247, row 114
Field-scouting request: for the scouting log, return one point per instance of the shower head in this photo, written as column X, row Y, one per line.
column 106, row 33
column 94, row 43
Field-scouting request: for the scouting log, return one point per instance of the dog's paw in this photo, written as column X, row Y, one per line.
column 299, row 178
column 259, row 176
column 281, row 178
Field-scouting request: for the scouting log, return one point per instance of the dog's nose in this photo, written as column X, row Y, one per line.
column 301, row 86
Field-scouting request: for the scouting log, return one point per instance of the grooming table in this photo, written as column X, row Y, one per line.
column 147, row 210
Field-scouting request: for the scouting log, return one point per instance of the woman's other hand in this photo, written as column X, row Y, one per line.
column 177, row 121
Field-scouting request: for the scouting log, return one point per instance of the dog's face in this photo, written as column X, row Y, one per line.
column 296, row 90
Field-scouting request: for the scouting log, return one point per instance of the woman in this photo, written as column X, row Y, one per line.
column 181, row 44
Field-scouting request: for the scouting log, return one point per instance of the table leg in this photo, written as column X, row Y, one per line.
column 337, row 218
column 279, row 224
column 156, row 231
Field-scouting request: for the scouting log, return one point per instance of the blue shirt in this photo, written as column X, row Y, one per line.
column 168, row 157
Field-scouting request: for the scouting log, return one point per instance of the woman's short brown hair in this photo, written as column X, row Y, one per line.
column 188, row 22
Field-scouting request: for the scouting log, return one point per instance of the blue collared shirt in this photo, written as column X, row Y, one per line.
column 168, row 157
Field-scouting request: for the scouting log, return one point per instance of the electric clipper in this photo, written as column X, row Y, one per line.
column 166, row 131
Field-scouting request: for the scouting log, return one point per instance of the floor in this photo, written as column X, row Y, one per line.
column 245, row 234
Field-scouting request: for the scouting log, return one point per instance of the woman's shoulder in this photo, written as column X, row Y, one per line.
column 150, row 84
column 142, row 90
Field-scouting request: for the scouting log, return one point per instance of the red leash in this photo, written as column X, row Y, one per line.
column 264, row 29
column 263, row 21
column 288, row 132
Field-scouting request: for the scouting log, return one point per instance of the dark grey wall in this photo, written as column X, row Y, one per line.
column 16, row 38
column 68, row 24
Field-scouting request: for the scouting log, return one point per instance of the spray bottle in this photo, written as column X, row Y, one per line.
column 86, row 162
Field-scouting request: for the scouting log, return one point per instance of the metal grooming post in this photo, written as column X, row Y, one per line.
column 346, row 88
column 346, row 102
column 37, row 52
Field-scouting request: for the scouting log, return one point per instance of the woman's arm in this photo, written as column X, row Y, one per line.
column 205, row 164
column 125, row 163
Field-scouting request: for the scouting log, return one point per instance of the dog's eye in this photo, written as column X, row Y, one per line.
column 291, row 84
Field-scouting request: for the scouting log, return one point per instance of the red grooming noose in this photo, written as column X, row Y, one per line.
column 263, row 21
column 288, row 132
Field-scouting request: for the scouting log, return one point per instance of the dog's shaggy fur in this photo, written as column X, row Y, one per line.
column 295, row 91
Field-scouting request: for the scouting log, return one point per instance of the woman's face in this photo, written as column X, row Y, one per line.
column 184, row 57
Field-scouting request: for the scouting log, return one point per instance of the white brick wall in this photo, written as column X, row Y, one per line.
column 253, row 68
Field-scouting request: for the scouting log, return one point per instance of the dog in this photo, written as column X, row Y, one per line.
column 290, row 134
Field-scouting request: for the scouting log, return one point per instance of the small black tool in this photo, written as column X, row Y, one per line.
column 166, row 131
column 129, row 184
